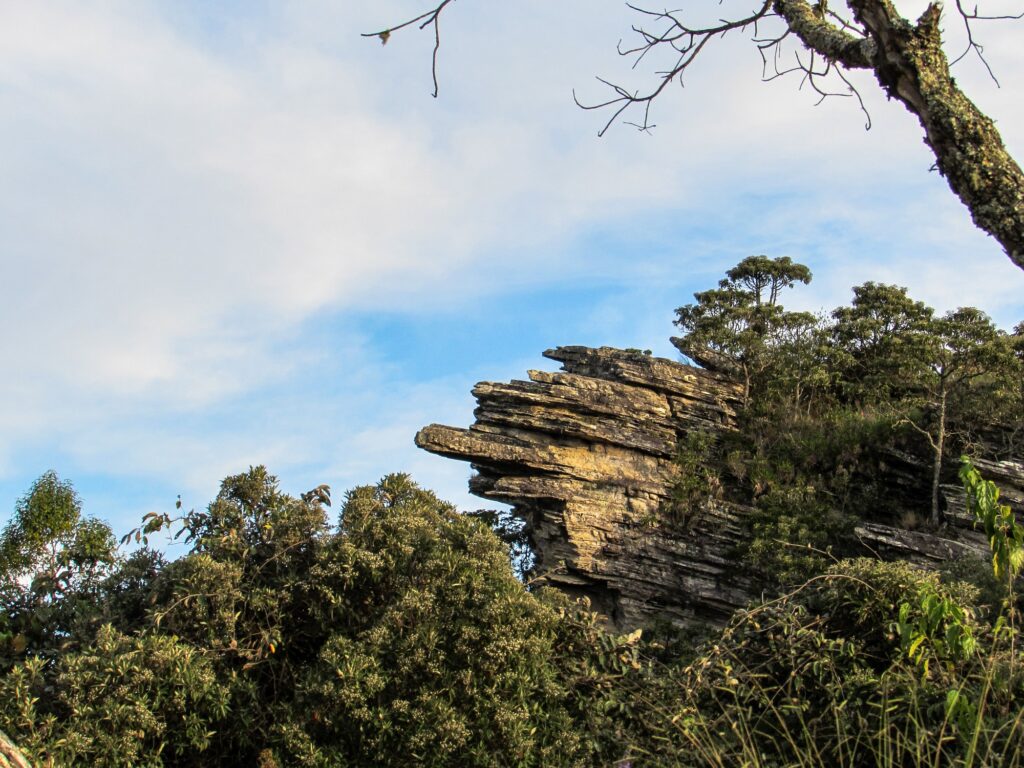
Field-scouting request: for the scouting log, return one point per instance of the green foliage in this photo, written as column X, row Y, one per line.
column 721, row 321
column 891, row 352
column 52, row 564
column 820, row 677
column 828, row 451
column 1005, row 534
column 879, row 342
column 697, row 482
column 740, row 325
column 964, row 344
column 124, row 701
column 401, row 636
column 961, row 348
column 48, row 538
column 764, row 278
column 934, row 627
column 794, row 534
column 827, row 404
column 44, row 518
column 810, row 479
column 513, row 533
column 442, row 657
column 976, row 571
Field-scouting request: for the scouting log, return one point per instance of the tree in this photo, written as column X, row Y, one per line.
column 737, row 326
column 42, row 529
column 1005, row 406
column 801, row 361
column 892, row 352
column 52, row 562
column 961, row 346
column 878, row 343
column 764, row 278
column 400, row 635
column 907, row 58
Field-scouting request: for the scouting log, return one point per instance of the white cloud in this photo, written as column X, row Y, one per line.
column 188, row 189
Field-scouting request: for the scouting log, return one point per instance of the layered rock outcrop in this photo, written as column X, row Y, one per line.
column 586, row 457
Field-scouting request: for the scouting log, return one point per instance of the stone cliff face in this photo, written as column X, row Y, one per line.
column 585, row 456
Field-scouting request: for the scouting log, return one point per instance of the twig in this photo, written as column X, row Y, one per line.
column 10, row 755
column 429, row 18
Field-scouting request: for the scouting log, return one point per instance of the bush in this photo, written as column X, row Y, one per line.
column 793, row 534
column 696, row 481
column 822, row 677
column 402, row 636
column 145, row 701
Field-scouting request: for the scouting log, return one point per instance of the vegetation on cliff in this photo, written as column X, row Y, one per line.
column 401, row 632
column 828, row 397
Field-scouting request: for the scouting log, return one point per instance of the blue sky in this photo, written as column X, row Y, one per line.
column 238, row 233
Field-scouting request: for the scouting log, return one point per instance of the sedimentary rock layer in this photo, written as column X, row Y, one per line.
column 585, row 456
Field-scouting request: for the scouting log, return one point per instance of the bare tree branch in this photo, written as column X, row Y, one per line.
column 907, row 59
column 683, row 41
column 972, row 45
column 427, row 19
column 837, row 44
column 911, row 66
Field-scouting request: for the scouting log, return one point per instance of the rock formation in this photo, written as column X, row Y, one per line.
column 585, row 456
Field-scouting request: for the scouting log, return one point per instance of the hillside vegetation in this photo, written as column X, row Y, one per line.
column 398, row 632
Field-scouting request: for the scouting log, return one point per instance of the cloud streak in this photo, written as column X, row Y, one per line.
column 191, row 193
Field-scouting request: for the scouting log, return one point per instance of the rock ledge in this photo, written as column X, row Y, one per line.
column 585, row 457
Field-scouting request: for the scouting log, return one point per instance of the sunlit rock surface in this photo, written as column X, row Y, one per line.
column 585, row 456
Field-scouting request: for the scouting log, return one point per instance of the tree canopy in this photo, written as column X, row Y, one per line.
column 826, row 397
column 740, row 324
column 398, row 636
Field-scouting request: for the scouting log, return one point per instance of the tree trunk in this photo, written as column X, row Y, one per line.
column 910, row 65
column 939, row 445
column 10, row 755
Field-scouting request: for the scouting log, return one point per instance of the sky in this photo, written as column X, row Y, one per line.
column 239, row 233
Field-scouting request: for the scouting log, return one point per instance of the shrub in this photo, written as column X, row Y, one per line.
column 822, row 676
column 696, row 481
column 792, row 534
column 146, row 701
column 402, row 636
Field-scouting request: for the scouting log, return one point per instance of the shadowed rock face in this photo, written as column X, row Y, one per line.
column 585, row 456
